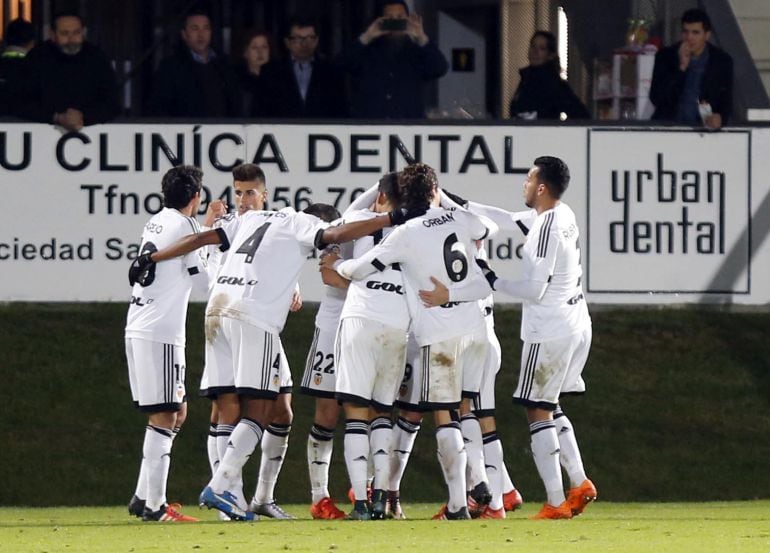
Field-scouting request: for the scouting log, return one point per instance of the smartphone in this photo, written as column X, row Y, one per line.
column 393, row 24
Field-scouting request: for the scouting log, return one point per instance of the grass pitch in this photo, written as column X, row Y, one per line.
column 627, row 527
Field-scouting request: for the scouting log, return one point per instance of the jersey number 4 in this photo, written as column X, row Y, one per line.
column 251, row 245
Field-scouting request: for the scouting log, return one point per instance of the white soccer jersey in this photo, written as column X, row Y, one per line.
column 438, row 244
column 258, row 279
column 328, row 316
column 216, row 256
column 380, row 297
column 158, row 311
column 551, row 254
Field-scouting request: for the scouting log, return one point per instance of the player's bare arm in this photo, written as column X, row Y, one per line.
column 329, row 275
column 438, row 296
column 350, row 231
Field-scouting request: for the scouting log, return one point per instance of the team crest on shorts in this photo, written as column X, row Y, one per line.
column 402, row 390
column 276, row 380
column 179, row 393
column 318, row 378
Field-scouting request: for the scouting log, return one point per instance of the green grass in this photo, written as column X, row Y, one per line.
column 624, row 527
column 677, row 409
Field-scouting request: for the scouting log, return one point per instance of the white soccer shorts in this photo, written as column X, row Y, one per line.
column 443, row 364
column 320, row 376
column 156, row 374
column 244, row 359
column 484, row 402
column 552, row 369
column 370, row 362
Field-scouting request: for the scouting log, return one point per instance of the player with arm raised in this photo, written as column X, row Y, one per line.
column 370, row 349
column 449, row 335
column 556, row 334
column 249, row 188
column 155, row 340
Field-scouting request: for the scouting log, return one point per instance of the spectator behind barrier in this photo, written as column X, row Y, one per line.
column 195, row 81
column 256, row 53
column 693, row 80
column 304, row 85
column 19, row 40
column 389, row 63
column 542, row 93
column 69, row 81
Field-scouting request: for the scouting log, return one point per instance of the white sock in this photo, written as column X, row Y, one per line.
column 211, row 447
column 545, row 451
column 243, row 441
column 469, row 424
column 320, row 443
column 570, row 453
column 401, row 444
column 357, row 455
column 507, row 482
column 453, row 460
column 275, row 441
column 380, row 434
column 157, row 459
column 493, row 462
column 224, row 431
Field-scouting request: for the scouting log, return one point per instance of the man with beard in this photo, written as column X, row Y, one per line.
column 389, row 62
column 70, row 82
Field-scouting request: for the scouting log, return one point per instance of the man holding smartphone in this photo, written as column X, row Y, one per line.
column 389, row 63
column 693, row 80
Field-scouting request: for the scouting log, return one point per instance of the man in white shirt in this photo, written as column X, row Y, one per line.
column 555, row 330
column 155, row 340
column 450, row 335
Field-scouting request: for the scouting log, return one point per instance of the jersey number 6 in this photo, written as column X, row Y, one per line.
column 455, row 258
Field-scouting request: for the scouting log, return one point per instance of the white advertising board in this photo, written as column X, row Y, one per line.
column 76, row 203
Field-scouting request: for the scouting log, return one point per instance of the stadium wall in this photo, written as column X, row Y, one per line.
column 668, row 215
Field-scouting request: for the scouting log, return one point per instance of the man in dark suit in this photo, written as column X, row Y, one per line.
column 195, row 82
column 69, row 81
column 304, row 85
column 693, row 80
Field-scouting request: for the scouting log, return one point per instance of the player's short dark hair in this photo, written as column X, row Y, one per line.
column 696, row 15
column 248, row 172
column 417, row 183
column 325, row 212
column 180, row 184
column 19, row 32
column 382, row 3
column 388, row 185
column 553, row 172
column 58, row 15
column 301, row 21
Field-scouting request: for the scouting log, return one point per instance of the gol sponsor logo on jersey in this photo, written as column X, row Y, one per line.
column 236, row 281
column 385, row 286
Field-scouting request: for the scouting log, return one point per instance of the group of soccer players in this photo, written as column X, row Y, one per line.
column 406, row 320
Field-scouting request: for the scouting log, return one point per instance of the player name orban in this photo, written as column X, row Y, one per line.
column 57, row 249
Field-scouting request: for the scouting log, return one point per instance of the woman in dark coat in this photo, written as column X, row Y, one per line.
column 542, row 93
column 256, row 53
